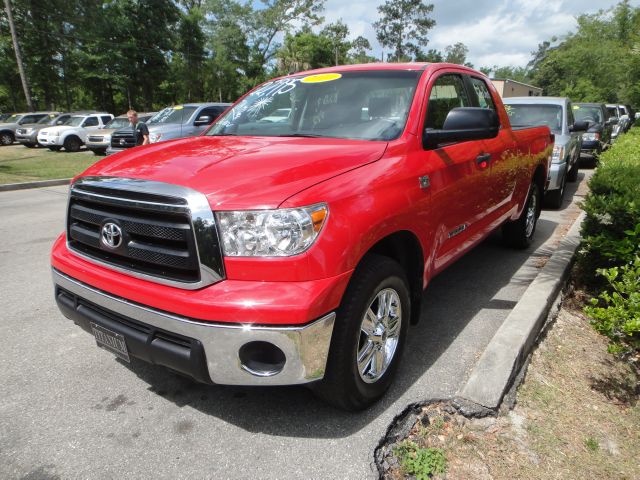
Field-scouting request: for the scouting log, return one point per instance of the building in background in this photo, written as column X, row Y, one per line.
column 511, row 88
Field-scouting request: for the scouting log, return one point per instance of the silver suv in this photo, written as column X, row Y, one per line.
column 178, row 121
column 10, row 124
column 557, row 114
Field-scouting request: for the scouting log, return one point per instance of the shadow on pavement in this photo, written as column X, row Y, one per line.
column 450, row 302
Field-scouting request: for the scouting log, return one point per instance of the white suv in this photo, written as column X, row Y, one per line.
column 73, row 134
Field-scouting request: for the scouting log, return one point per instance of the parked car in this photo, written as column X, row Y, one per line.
column 98, row 142
column 27, row 134
column 615, row 112
column 626, row 117
column 4, row 116
column 11, row 123
column 177, row 121
column 597, row 138
column 279, row 253
column 557, row 114
column 73, row 134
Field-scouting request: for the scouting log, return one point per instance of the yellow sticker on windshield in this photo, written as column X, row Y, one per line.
column 321, row 77
column 576, row 107
column 178, row 107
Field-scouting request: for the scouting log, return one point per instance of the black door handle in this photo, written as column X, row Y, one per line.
column 483, row 159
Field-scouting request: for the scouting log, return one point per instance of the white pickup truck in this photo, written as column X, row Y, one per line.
column 73, row 134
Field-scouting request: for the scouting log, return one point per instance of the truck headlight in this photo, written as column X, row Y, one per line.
column 558, row 154
column 271, row 233
column 590, row 137
column 28, row 131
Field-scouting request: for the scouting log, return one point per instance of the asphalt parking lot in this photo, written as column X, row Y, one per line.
column 72, row 410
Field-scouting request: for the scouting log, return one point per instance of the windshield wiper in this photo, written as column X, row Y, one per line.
column 306, row 135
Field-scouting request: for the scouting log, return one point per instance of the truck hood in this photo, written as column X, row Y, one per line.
column 242, row 172
column 59, row 128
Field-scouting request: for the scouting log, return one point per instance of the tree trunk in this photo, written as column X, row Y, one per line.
column 16, row 49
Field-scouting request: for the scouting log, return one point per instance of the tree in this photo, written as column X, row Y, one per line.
column 358, row 52
column 305, row 50
column 337, row 33
column 456, row 53
column 403, row 27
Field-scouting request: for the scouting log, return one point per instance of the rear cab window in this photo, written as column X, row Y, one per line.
column 105, row 119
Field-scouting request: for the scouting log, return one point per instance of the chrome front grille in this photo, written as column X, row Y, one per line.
column 157, row 238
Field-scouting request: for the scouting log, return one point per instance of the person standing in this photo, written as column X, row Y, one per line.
column 140, row 129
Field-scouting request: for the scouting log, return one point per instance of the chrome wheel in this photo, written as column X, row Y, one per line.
column 532, row 210
column 6, row 139
column 379, row 335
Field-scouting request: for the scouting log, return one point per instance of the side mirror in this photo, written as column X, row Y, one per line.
column 612, row 121
column 59, row 122
column 204, row 120
column 579, row 127
column 462, row 125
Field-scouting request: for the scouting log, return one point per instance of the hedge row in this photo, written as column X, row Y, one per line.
column 609, row 258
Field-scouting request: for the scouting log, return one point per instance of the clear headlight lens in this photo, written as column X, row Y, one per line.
column 590, row 137
column 28, row 131
column 558, row 154
column 155, row 137
column 270, row 233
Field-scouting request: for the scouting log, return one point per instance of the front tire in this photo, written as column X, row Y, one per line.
column 519, row 233
column 572, row 176
column 369, row 335
column 6, row 138
column 554, row 198
column 72, row 144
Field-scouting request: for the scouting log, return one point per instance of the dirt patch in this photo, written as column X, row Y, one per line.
column 576, row 416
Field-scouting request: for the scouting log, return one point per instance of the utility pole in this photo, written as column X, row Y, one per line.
column 16, row 49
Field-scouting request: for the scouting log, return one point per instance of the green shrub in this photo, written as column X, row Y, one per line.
column 616, row 313
column 423, row 463
column 608, row 263
column 611, row 230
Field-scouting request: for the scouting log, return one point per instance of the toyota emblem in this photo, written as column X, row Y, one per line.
column 111, row 235
column 122, row 141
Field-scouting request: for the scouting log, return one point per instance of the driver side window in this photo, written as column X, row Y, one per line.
column 448, row 92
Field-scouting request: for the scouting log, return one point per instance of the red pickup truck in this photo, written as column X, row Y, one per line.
column 292, row 241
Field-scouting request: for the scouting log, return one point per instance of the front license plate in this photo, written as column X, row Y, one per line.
column 112, row 341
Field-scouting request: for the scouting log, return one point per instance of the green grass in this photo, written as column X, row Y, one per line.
column 21, row 164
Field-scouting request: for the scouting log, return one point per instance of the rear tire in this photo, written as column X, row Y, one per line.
column 6, row 138
column 364, row 331
column 72, row 144
column 519, row 233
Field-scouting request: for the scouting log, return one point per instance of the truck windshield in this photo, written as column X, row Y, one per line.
column 177, row 114
column 48, row 120
column 12, row 119
column 584, row 113
column 74, row 121
column 364, row 105
column 118, row 123
column 535, row 115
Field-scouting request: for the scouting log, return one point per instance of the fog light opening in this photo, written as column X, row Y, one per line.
column 262, row 359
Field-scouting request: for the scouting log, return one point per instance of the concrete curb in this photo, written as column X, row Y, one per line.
column 508, row 349
column 45, row 183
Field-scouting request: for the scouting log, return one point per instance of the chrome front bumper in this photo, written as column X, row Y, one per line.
column 305, row 347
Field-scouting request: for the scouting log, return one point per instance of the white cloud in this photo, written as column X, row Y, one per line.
column 501, row 32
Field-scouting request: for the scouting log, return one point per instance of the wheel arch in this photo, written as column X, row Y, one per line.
column 404, row 247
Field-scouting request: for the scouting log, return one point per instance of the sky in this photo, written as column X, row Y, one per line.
column 499, row 32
